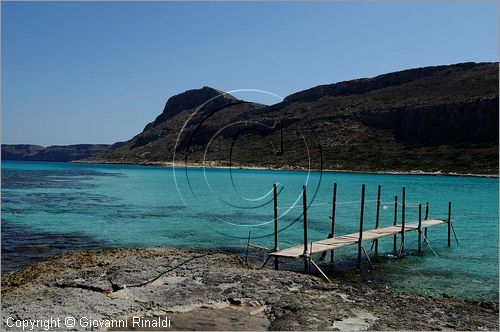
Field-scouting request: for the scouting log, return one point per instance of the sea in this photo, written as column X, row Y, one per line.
column 51, row 207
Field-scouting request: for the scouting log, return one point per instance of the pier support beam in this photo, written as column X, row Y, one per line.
column 304, row 205
column 377, row 218
column 449, row 224
column 419, row 228
column 361, row 220
column 395, row 223
column 334, row 207
column 248, row 245
column 319, row 270
column 332, row 226
column 276, row 243
column 403, row 208
column 426, row 217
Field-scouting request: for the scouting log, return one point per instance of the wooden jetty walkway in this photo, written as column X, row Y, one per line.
column 321, row 246
column 308, row 249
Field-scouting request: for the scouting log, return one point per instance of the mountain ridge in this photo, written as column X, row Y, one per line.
column 433, row 119
column 367, row 84
column 440, row 118
column 30, row 152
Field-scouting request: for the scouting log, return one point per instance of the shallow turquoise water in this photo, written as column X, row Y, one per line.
column 52, row 207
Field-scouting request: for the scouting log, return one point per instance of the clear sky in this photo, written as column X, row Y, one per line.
column 98, row 72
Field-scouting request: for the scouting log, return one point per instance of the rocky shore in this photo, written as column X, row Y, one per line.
column 215, row 291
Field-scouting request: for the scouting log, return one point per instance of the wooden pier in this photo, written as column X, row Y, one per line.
column 333, row 243
column 307, row 249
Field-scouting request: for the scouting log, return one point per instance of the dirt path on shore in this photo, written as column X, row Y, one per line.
column 214, row 291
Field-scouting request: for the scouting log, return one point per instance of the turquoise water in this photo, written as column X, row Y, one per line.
column 53, row 207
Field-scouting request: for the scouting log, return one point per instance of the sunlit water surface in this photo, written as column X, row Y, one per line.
column 53, row 207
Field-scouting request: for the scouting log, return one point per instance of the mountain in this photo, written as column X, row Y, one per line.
column 157, row 141
column 51, row 153
column 440, row 118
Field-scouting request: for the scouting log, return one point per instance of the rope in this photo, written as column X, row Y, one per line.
column 296, row 206
column 355, row 202
column 345, row 203
column 169, row 269
column 407, row 204
column 299, row 206
column 289, row 207
column 318, row 204
column 329, row 203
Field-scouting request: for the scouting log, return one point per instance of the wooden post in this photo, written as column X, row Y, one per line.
column 309, row 257
column 332, row 229
column 403, row 221
column 419, row 228
column 395, row 223
column 276, row 243
column 449, row 224
column 377, row 219
column 361, row 219
column 304, row 204
column 426, row 217
column 334, row 207
column 248, row 244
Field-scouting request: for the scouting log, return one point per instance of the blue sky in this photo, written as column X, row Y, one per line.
column 98, row 72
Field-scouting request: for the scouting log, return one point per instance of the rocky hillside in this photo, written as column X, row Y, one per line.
column 51, row 153
column 442, row 118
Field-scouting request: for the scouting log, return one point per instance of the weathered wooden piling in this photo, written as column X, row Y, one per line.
column 395, row 223
column 419, row 228
column 304, row 205
column 332, row 225
column 248, row 245
column 276, row 243
column 334, row 207
column 377, row 218
column 309, row 256
column 361, row 220
column 403, row 207
column 449, row 224
column 426, row 217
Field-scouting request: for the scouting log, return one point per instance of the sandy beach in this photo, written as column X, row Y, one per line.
column 193, row 289
column 297, row 168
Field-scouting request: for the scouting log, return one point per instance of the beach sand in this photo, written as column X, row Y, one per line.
column 220, row 165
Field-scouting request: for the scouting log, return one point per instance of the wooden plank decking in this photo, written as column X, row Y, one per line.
column 350, row 239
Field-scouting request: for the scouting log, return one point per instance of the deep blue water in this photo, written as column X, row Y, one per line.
column 53, row 207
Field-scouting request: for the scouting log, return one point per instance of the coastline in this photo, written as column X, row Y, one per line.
column 300, row 169
column 206, row 287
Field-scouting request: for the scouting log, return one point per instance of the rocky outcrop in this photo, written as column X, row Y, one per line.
column 208, row 97
column 205, row 100
column 200, row 290
column 364, row 85
column 15, row 151
column 51, row 153
column 469, row 122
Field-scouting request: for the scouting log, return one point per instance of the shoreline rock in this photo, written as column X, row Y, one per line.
column 218, row 290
